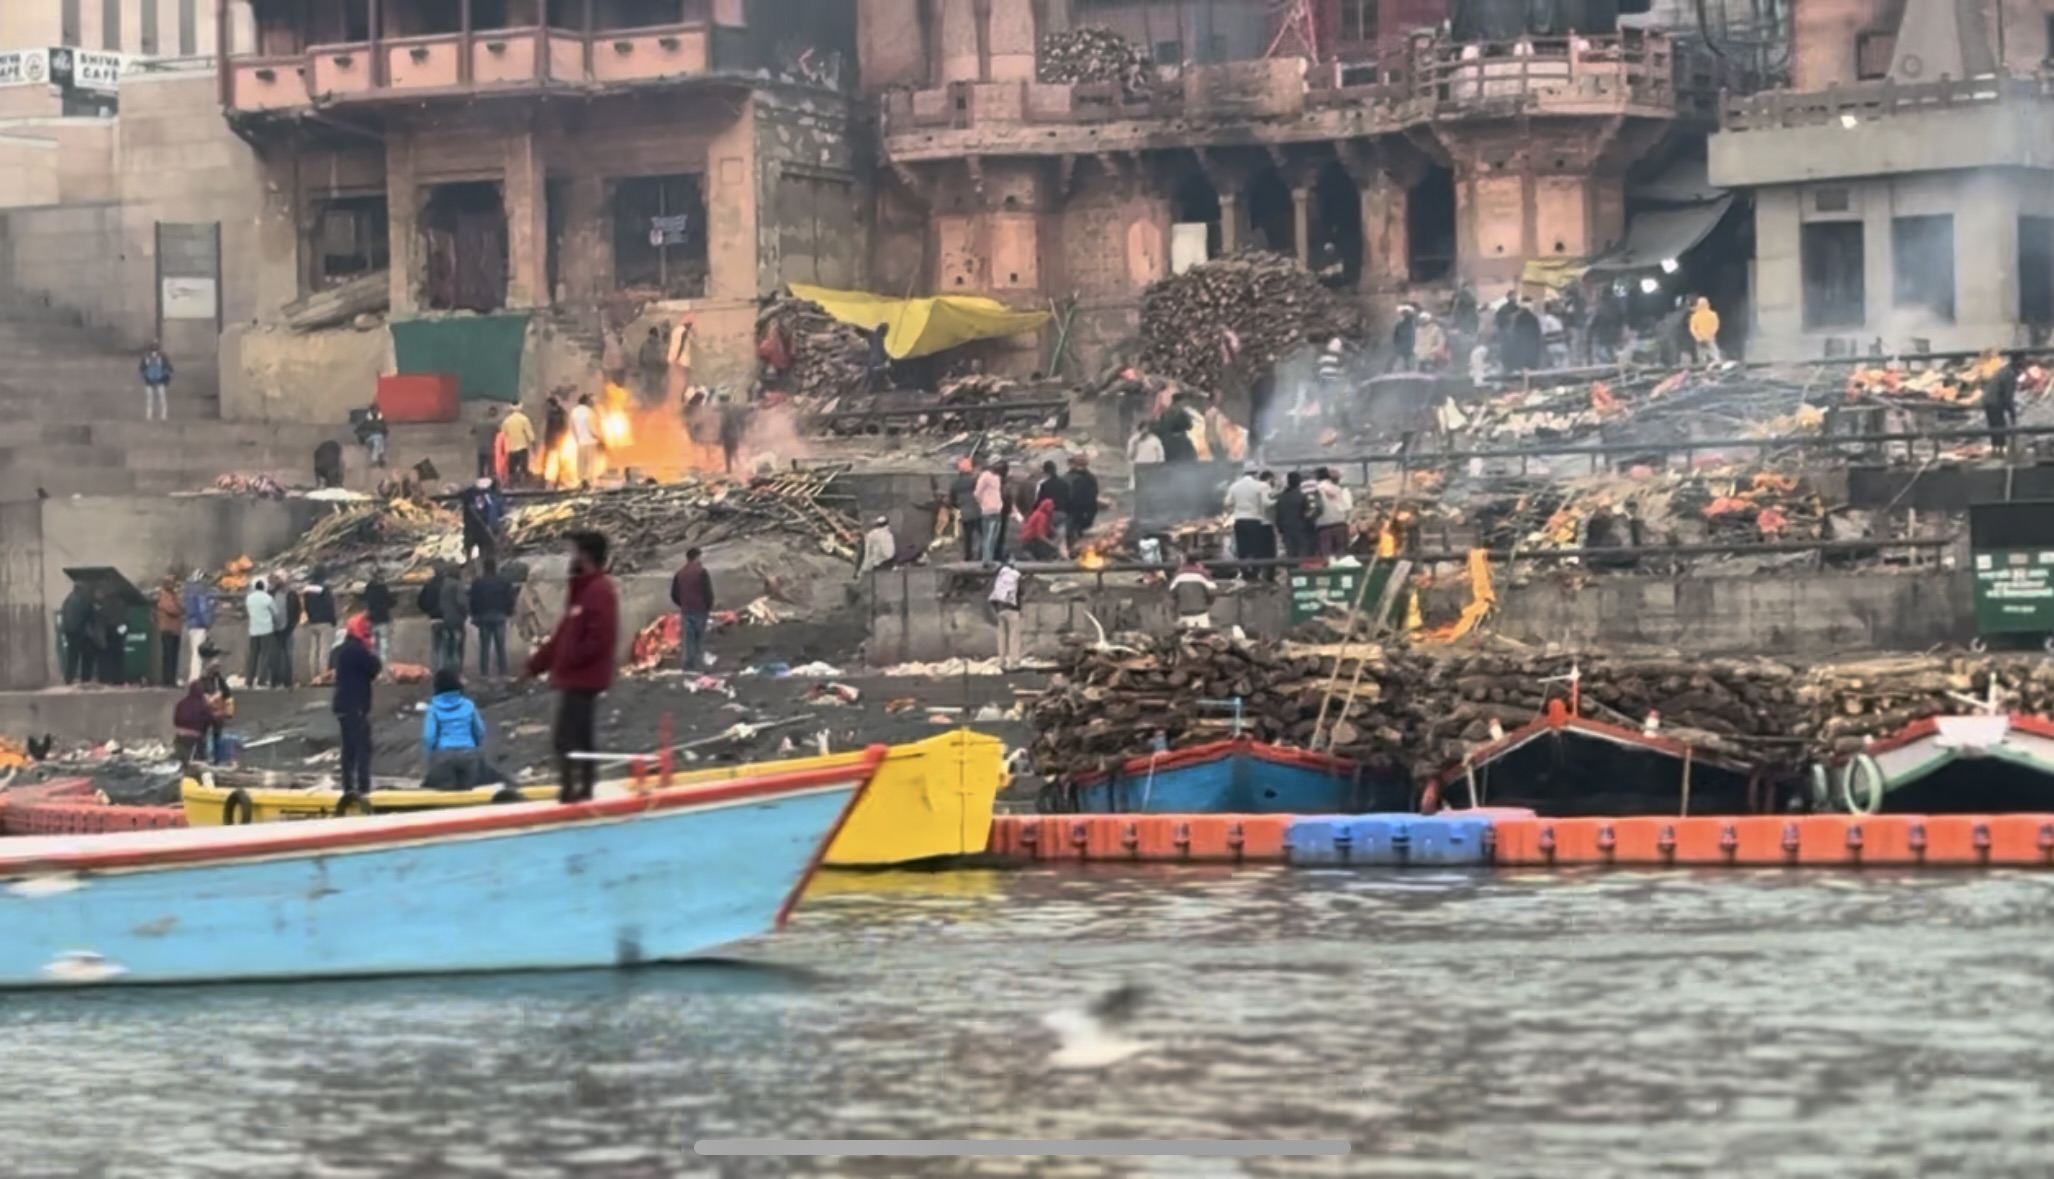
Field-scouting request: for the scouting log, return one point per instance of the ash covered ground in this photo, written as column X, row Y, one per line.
column 888, row 709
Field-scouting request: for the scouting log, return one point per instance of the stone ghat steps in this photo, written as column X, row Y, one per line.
column 123, row 458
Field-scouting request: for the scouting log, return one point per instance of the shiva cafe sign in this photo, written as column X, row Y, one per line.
column 64, row 69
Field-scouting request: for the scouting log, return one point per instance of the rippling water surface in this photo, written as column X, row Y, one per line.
column 1447, row 1025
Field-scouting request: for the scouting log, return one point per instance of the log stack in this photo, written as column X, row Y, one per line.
column 1093, row 54
column 1413, row 711
column 1850, row 704
column 1266, row 302
column 829, row 358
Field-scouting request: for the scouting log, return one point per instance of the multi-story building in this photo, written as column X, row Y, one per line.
column 137, row 28
column 516, row 154
column 1413, row 149
column 1903, row 186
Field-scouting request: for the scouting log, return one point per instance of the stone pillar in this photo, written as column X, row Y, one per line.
column 960, row 41
column 1301, row 223
column 586, row 266
column 1012, row 40
column 1386, row 247
column 1230, row 222
column 527, row 223
column 403, row 224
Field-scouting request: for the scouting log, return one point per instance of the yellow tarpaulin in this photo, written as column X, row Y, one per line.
column 922, row 327
column 1552, row 273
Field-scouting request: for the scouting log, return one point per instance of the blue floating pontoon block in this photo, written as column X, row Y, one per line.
column 1389, row 841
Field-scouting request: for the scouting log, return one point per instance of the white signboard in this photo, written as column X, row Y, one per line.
column 97, row 71
column 190, row 298
column 24, row 67
column 82, row 69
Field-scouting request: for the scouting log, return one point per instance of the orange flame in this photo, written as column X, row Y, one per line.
column 1091, row 559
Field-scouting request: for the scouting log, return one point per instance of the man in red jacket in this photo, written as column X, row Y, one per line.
column 579, row 658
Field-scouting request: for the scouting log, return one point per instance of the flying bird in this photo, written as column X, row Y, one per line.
column 1090, row 1038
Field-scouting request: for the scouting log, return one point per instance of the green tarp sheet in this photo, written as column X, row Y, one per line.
column 484, row 351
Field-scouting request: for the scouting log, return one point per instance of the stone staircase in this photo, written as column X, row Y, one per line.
column 71, row 423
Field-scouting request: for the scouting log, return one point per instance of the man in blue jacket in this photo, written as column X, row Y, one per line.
column 356, row 669
column 453, row 736
column 155, row 369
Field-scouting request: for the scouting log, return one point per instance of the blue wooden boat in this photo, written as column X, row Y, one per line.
column 620, row 881
column 1241, row 776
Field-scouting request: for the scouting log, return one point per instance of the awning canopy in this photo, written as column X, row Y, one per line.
column 922, row 327
column 1661, row 235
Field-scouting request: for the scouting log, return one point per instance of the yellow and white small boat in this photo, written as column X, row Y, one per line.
column 930, row 799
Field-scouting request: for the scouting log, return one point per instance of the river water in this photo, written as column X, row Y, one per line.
column 1558, row 1024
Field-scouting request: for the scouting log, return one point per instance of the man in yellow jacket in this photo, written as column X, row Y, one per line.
column 518, row 436
column 1704, row 329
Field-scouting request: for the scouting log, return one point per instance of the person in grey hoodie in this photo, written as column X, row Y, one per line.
column 258, row 662
column 456, row 613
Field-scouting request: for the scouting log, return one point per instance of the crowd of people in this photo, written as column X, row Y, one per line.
column 1572, row 327
column 579, row 659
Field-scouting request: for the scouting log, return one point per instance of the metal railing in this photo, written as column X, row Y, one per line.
column 1070, row 570
column 1689, row 449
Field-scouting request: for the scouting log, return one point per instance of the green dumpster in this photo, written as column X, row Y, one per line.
column 136, row 612
column 2011, row 553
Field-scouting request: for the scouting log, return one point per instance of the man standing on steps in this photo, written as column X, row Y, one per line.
column 691, row 591
column 199, row 619
column 170, row 628
column 579, row 659
column 317, row 602
column 155, row 370
column 520, row 440
column 485, row 436
column 585, row 432
column 262, row 611
column 492, row 603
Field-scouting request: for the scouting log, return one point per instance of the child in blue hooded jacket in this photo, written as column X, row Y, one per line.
column 453, row 736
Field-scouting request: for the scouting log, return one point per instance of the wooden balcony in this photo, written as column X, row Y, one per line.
column 494, row 61
column 1284, row 100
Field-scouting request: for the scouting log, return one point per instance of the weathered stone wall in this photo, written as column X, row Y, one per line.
column 811, row 192
column 169, row 157
column 918, row 614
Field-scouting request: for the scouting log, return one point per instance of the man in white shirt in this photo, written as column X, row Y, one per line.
column 1005, row 604
column 1336, row 505
column 585, row 435
column 1144, row 446
column 1252, row 502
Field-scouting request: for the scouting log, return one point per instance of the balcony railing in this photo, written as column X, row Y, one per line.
column 481, row 61
column 1429, row 79
column 1871, row 101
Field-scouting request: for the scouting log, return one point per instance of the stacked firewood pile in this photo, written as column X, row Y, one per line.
column 654, row 519
column 828, row 357
column 1093, row 55
column 1413, row 711
column 1850, row 704
column 1254, row 304
column 974, row 401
